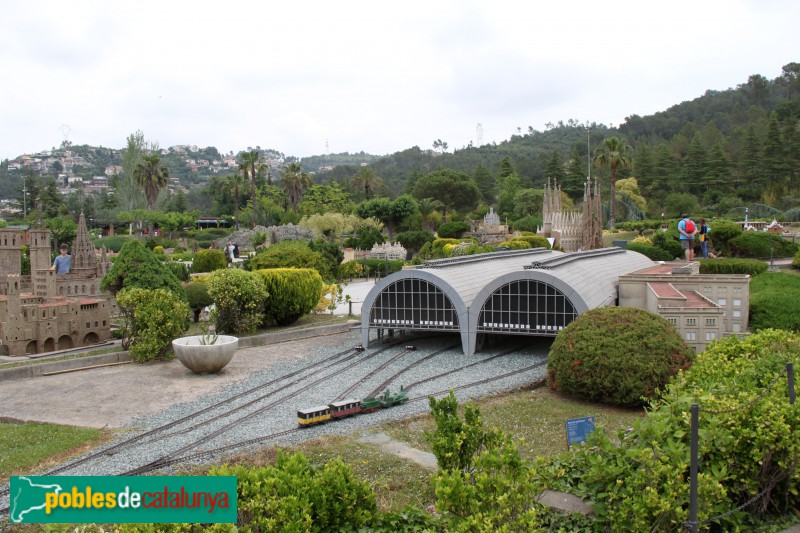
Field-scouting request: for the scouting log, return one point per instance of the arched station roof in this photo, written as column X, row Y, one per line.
column 585, row 279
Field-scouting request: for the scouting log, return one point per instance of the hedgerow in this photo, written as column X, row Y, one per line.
column 761, row 245
column 727, row 265
column 775, row 302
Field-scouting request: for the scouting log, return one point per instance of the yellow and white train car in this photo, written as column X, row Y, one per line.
column 313, row 415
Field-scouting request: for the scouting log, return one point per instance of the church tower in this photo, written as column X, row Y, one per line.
column 84, row 260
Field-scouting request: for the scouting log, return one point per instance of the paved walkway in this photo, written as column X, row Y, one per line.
column 116, row 395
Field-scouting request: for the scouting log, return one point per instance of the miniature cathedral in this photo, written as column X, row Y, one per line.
column 44, row 311
column 573, row 230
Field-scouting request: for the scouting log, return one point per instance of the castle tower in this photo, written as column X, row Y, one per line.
column 10, row 251
column 84, row 260
column 39, row 248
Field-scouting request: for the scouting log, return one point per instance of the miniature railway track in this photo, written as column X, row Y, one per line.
column 350, row 389
column 260, row 439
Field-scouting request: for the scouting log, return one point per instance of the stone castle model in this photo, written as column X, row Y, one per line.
column 45, row 312
column 573, row 230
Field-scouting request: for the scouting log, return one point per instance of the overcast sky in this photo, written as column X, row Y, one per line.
column 310, row 77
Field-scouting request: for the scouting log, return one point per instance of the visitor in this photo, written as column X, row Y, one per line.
column 62, row 263
column 235, row 251
column 229, row 254
column 687, row 229
column 702, row 231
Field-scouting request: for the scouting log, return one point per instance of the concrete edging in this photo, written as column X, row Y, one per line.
column 36, row 370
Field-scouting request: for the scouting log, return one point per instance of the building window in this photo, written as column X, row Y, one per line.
column 673, row 321
column 88, row 325
column 706, row 289
column 691, row 335
column 722, row 301
column 737, row 314
column 736, row 327
column 711, row 335
column 737, row 303
column 711, row 321
column 737, row 289
column 691, row 321
column 722, row 290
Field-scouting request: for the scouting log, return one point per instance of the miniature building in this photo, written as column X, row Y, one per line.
column 491, row 232
column 573, row 230
column 388, row 251
column 702, row 307
column 57, row 312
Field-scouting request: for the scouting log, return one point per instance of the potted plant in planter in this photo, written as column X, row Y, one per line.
column 207, row 353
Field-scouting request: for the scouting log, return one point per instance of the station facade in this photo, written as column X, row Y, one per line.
column 533, row 292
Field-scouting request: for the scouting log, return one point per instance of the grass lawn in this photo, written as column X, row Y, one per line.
column 34, row 446
column 608, row 238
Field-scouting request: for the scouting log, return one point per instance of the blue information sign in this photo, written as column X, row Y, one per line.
column 578, row 429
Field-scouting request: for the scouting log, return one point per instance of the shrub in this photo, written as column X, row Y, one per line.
column 209, row 260
column 154, row 318
column 414, row 240
column 761, row 245
column 529, row 223
column 290, row 254
column 198, row 297
column 796, row 260
column 535, row 241
column 722, row 232
column 239, row 296
column 158, row 250
column 384, row 267
column 180, row 270
column 293, row 292
column 748, row 445
column 452, row 230
column 656, row 254
column 113, row 243
column 642, row 240
column 136, row 266
column 349, row 270
column 775, row 302
column 516, row 244
column 482, row 483
column 616, row 355
column 753, row 267
column 669, row 243
column 292, row 495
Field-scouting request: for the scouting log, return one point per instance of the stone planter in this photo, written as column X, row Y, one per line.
column 205, row 358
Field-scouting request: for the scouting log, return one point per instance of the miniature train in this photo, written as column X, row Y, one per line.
column 349, row 407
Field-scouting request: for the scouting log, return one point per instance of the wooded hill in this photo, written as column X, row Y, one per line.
column 724, row 149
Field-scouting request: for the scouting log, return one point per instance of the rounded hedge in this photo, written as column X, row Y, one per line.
column 209, row 260
column 616, row 355
column 652, row 252
column 293, row 292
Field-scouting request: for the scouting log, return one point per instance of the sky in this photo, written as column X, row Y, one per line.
column 308, row 77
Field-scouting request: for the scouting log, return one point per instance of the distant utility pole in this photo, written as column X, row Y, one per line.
column 24, row 197
column 588, row 151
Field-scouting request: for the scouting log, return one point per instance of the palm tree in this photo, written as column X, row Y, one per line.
column 252, row 164
column 366, row 178
column 151, row 176
column 234, row 184
column 614, row 154
column 295, row 181
column 426, row 207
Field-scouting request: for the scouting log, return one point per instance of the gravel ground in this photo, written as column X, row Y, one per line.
column 283, row 416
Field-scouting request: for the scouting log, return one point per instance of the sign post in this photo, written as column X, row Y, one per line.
column 578, row 429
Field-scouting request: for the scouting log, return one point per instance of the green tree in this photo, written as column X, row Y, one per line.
column 773, row 159
column 695, row 165
column 51, row 202
column 250, row 166
column 329, row 197
column 486, row 183
column 295, row 181
column 233, row 185
column 151, row 176
column 137, row 266
column 454, row 189
column 427, row 206
column 554, row 168
column 126, row 193
column 614, row 154
column 368, row 180
column 391, row 213
column 528, row 202
column 62, row 229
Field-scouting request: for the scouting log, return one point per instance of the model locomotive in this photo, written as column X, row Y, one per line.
column 349, row 407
